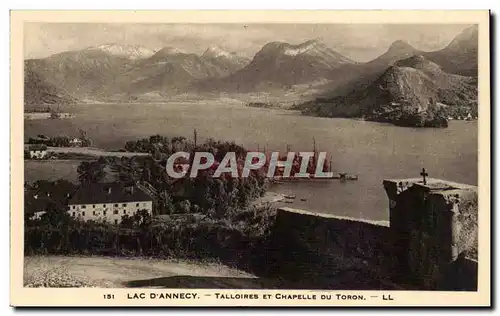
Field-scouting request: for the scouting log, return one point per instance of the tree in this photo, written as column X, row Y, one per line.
column 127, row 221
column 165, row 203
column 60, row 141
column 208, row 193
column 56, row 216
column 142, row 218
column 91, row 172
column 183, row 207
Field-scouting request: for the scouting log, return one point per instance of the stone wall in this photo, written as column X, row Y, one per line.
column 432, row 226
column 326, row 251
column 430, row 244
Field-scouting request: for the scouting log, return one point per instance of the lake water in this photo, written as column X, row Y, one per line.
column 374, row 151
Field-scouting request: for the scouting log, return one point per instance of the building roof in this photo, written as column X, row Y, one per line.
column 38, row 202
column 102, row 193
column 43, row 195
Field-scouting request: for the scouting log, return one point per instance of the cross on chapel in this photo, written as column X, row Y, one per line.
column 424, row 175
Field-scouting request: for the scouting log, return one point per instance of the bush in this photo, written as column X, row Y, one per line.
column 238, row 241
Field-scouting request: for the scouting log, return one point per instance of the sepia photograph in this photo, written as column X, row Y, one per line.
column 279, row 156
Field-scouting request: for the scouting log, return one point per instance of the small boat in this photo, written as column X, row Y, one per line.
column 276, row 181
column 303, row 200
column 289, row 202
column 345, row 176
column 289, row 196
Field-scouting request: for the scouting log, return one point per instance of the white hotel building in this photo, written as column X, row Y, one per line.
column 108, row 201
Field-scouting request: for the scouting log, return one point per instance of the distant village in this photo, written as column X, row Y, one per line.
column 38, row 147
column 96, row 201
column 466, row 117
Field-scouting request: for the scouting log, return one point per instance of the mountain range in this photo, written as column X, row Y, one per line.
column 107, row 70
column 124, row 72
column 173, row 71
column 458, row 57
column 407, row 86
column 281, row 65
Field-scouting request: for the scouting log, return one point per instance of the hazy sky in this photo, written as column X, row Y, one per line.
column 360, row 42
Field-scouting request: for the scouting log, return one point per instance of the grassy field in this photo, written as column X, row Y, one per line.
column 59, row 271
column 50, row 170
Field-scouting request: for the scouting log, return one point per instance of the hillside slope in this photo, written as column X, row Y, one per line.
column 460, row 56
column 412, row 92
column 38, row 92
column 85, row 74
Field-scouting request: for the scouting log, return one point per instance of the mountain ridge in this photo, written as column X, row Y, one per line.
column 38, row 92
column 280, row 65
column 132, row 52
column 412, row 92
column 461, row 54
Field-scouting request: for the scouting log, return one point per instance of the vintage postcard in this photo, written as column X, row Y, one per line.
column 250, row 158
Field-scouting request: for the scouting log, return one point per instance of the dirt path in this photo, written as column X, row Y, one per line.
column 55, row 271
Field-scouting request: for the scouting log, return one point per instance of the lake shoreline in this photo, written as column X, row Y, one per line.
column 374, row 151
